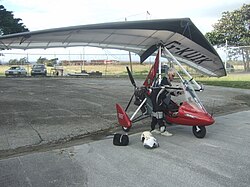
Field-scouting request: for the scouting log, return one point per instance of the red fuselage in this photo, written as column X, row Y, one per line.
column 191, row 115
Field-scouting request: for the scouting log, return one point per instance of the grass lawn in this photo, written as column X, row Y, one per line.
column 234, row 80
column 110, row 69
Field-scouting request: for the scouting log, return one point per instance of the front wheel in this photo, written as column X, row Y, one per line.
column 199, row 131
column 126, row 129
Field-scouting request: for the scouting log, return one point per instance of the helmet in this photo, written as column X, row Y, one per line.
column 148, row 140
column 145, row 135
column 150, row 143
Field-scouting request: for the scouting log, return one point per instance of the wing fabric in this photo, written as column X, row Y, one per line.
column 179, row 36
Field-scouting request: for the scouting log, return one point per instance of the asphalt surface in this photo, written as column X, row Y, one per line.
column 37, row 113
column 45, row 111
column 219, row 159
column 53, row 134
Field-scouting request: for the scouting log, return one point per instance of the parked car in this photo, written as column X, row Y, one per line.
column 39, row 69
column 229, row 68
column 16, row 71
column 164, row 68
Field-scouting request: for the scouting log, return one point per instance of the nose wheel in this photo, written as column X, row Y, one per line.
column 199, row 131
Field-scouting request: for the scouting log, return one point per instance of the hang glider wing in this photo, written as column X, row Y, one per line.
column 179, row 36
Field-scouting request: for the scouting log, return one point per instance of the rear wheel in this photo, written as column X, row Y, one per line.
column 199, row 131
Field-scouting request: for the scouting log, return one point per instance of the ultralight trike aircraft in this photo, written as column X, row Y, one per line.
column 190, row 112
column 178, row 39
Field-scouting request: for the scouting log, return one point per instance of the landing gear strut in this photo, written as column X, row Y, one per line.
column 126, row 129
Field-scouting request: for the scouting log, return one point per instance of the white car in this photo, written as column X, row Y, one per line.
column 16, row 71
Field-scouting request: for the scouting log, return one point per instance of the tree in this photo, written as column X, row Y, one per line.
column 9, row 24
column 21, row 61
column 233, row 29
column 52, row 62
column 41, row 60
column 13, row 62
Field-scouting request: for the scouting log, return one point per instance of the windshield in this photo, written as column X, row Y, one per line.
column 190, row 95
column 38, row 67
column 13, row 68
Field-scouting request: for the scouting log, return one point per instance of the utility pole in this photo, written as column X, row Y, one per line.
column 226, row 56
column 28, row 64
column 130, row 59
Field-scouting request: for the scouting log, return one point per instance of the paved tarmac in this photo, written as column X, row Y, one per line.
column 222, row 158
column 43, row 113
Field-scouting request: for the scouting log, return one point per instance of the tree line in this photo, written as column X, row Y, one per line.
column 40, row 60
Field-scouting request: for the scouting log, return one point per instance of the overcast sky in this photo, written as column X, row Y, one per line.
column 44, row 14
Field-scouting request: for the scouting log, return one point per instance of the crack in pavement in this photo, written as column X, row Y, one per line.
column 39, row 135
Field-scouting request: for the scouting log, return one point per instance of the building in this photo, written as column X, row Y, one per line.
column 73, row 62
column 103, row 62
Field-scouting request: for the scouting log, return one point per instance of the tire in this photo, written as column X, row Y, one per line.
column 199, row 131
column 126, row 129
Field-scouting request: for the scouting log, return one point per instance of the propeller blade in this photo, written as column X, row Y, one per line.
column 131, row 77
column 129, row 102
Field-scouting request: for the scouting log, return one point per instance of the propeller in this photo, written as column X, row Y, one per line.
column 132, row 80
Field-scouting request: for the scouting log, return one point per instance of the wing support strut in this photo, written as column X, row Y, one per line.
column 191, row 79
column 142, row 103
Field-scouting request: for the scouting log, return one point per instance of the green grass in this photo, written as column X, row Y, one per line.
column 232, row 84
column 237, row 80
column 234, row 80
